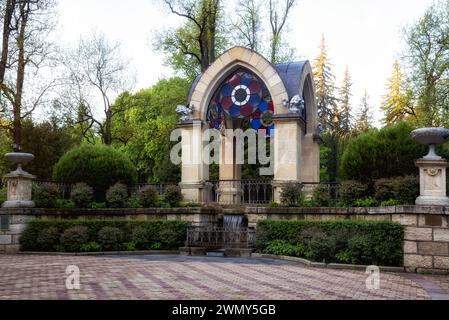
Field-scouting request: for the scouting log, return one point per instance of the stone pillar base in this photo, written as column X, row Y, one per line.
column 432, row 182
column 200, row 192
column 230, row 192
column 432, row 201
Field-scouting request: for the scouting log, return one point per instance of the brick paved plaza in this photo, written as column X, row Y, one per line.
column 180, row 277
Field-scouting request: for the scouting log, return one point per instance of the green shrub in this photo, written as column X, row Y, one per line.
column 283, row 248
column 154, row 234
column 117, row 195
column 273, row 204
column 82, row 195
column 48, row 238
column 365, row 202
column 98, row 205
column 91, row 246
column 338, row 241
column 404, row 189
column 290, row 194
column 173, row 196
column 99, row 166
column 3, row 196
column 46, row 195
column 139, row 237
column 322, row 196
column 350, row 191
column 110, row 238
column 387, row 152
column 192, row 204
column 390, row 202
column 148, row 196
column 65, row 204
column 73, row 238
column 133, row 202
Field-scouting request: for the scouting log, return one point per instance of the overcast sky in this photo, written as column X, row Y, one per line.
column 365, row 35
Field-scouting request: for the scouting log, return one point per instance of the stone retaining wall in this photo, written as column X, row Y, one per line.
column 426, row 245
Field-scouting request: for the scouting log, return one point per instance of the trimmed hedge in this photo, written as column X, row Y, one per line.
column 112, row 234
column 356, row 242
column 99, row 166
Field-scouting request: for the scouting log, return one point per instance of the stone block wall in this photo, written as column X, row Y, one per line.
column 11, row 226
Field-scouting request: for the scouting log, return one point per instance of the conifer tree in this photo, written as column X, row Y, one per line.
column 346, row 119
column 325, row 88
column 397, row 103
column 364, row 120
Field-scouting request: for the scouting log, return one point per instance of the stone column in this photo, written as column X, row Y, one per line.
column 310, row 163
column 287, row 152
column 229, row 190
column 195, row 172
column 19, row 189
column 432, row 182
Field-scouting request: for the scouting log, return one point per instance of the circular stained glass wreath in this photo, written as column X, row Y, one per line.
column 242, row 96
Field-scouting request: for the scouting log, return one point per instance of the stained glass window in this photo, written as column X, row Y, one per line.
column 242, row 96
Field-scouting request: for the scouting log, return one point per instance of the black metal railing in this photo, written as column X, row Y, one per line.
column 247, row 191
column 251, row 191
column 220, row 238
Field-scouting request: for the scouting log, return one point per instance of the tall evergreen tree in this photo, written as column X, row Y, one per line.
column 325, row 89
column 346, row 119
column 397, row 102
column 364, row 120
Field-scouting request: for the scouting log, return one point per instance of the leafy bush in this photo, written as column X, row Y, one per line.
column 404, row 189
column 46, row 195
column 3, row 196
column 99, row 166
column 91, row 246
column 359, row 242
column 65, row 204
column 173, row 196
column 133, row 202
column 110, row 238
column 390, row 202
column 290, row 194
column 273, row 204
column 192, row 204
column 98, row 205
column 77, row 235
column 73, row 238
column 283, row 248
column 117, row 195
column 148, row 196
column 387, row 152
column 139, row 237
column 82, row 195
column 48, row 238
column 350, row 191
column 365, row 202
column 322, row 196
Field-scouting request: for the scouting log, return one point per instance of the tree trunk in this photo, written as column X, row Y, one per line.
column 17, row 106
column 9, row 9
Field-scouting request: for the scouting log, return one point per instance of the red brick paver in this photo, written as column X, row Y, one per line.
column 177, row 277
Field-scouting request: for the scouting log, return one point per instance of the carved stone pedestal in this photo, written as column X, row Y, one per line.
column 432, row 181
column 19, row 189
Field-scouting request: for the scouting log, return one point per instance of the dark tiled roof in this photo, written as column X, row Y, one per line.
column 290, row 74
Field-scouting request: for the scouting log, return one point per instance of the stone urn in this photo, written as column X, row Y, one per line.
column 432, row 167
column 19, row 182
